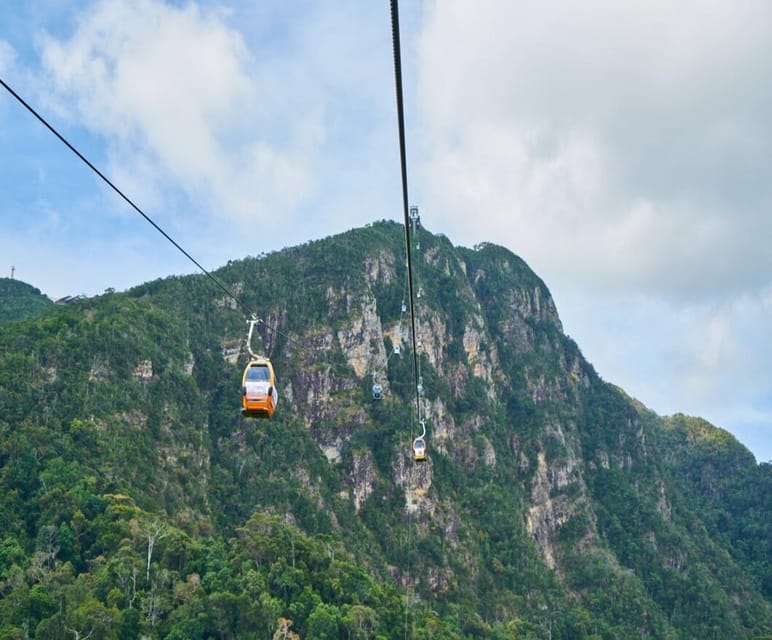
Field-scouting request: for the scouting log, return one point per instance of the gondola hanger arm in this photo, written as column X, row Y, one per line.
column 252, row 322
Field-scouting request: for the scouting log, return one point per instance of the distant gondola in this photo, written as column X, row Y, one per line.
column 419, row 449
column 258, row 389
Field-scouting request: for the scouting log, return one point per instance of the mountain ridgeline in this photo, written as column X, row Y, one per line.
column 18, row 300
column 136, row 501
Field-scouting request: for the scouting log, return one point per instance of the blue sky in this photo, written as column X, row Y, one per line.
column 624, row 150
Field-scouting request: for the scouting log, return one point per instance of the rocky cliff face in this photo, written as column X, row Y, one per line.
column 509, row 404
column 486, row 328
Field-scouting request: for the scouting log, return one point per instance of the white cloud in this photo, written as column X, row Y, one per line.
column 174, row 92
column 266, row 117
column 622, row 139
column 625, row 151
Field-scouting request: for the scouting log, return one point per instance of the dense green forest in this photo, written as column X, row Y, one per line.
column 18, row 300
column 137, row 502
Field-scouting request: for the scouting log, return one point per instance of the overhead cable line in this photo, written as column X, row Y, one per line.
column 406, row 212
column 210, row 275
column 403, row 167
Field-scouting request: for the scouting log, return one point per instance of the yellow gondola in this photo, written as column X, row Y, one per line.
column 258, row 389
column 419, row 449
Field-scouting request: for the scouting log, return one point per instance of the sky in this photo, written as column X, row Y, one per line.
column 623, row 150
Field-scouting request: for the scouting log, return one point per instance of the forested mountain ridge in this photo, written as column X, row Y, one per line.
column 18, row 300
column 136, row 501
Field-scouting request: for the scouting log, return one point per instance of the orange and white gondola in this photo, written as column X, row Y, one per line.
column 258, row 383
column 258, row 389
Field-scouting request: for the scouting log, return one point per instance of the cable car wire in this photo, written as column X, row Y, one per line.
column 406, row 212
column 395, row 349
column 219, row 283
column 88, row 163
column 250, row 313
column 403, row 168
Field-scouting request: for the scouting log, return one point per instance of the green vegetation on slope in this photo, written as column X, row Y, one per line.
column 19, row 300
column 136, row 501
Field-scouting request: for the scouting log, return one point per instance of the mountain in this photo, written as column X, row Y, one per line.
column 19, row 300
column 136, row 501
